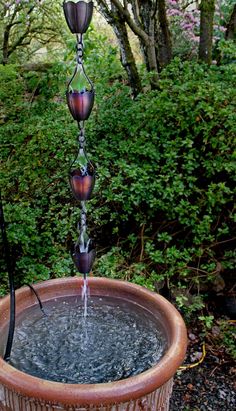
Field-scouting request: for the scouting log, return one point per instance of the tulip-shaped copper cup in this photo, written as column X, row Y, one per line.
column 80, row 94
column 78, row 15
column 80, row 104
column 82, row 177
column 84, row 260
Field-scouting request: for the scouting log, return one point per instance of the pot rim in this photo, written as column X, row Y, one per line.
column 102, row 393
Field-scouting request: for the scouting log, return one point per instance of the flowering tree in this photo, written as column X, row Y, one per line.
column 197, row 26
column 184, row 18
column 165, row 28
column 24, row 22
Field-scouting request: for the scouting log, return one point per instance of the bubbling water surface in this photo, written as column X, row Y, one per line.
column 116, row 340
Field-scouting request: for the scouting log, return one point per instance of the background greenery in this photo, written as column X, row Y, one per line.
column 162, row 214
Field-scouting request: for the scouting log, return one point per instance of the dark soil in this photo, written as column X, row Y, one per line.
column 210, row 386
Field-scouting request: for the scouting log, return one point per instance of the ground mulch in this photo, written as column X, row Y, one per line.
column 210, row 386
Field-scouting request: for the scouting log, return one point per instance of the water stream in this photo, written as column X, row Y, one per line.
column 85, row 293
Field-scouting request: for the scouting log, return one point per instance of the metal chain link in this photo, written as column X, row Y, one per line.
column 80, row 48
column 81, row 136
column 83, row 240
column 82, row 229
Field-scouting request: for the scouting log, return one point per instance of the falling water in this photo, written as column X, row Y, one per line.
column 84, row 242
column 85, row 293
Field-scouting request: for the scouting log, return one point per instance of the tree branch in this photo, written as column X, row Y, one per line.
column 136, row 12
column 117, row 21
column 126, row 5
column 155, row 9
column 104, row 6
column 105, row 10
column 188, row 3
column 231, row 26
column 134, row 27
column 18, row 42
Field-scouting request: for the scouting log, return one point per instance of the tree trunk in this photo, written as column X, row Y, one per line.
column 126, row 55
column 207, row 8
column 127, row 58
column 5, row 46
column 143, row 10
column 231, row 26
column 155, row 24
column 141, row 22
column 149, row 48
column 164, row 38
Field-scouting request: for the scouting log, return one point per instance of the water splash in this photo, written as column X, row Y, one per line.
column 123, row 340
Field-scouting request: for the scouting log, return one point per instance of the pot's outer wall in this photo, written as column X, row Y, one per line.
column 148, row 391
column 156, row 401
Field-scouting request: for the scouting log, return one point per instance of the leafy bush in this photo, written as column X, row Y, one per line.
column 166, row 173
column 11, row 92
column 162, row 210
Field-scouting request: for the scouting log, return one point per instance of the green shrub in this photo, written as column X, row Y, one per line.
column 163, row 203
column 166, row 172
column 11, row 93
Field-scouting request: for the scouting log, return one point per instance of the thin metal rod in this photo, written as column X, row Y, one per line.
column 38, row 298
column 10, row 270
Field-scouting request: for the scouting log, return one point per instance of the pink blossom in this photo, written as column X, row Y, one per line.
column 222, row 29
column 173, row 2
column 187, row 26
column 191, row 17
column 193, row 37
column 174, row 12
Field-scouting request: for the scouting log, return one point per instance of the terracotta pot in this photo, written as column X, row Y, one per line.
column 148, row 391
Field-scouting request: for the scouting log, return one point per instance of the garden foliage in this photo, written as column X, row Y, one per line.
column 163, row 205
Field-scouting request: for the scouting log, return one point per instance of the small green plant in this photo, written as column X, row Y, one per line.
column 188, row 304
column 227, row 337
column 207, row 321
column 111, row 264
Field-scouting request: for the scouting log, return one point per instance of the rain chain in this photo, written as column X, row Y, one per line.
column 80, row 100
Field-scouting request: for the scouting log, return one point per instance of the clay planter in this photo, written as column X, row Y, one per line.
column 148, row 391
